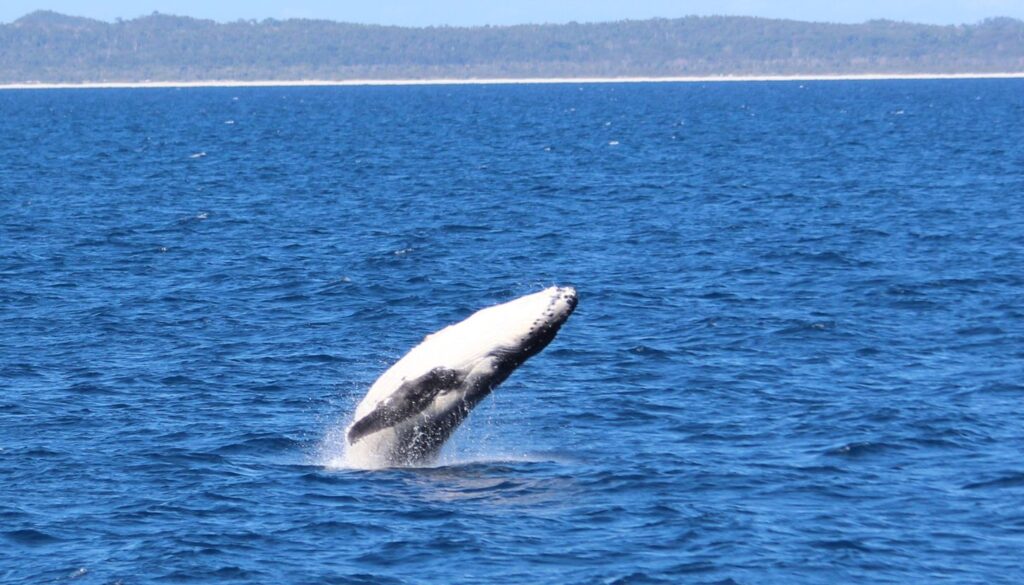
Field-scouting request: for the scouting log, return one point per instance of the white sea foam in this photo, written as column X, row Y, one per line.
column 333, row 454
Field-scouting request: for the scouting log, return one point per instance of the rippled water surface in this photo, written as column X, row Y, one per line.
column 797, row 356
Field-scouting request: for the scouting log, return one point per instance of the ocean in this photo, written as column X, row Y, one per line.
column 797, row 357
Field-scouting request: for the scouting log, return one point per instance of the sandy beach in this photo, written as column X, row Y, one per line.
column 501, row 81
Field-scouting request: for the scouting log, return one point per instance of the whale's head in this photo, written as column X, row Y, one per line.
column 419, row 401
column 516, row 330
column 488, row 345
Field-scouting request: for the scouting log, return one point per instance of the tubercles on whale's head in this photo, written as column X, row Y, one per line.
column 561, row 302
column 528, row 320
column 534, row 320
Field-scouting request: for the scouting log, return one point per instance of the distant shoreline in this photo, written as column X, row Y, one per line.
column 505, row 81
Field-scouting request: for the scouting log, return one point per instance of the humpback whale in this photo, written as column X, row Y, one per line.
column 412, row 409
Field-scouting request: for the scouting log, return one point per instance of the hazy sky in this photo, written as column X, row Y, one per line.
column 471, row 12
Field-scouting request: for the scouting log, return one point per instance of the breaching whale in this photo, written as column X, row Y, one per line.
column 412, row 409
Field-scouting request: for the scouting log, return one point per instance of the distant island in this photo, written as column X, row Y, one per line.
column 47, row 47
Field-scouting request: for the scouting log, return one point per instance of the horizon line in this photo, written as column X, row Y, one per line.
column 504, row 81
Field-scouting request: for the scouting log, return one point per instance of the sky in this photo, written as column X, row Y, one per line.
column 500, row 12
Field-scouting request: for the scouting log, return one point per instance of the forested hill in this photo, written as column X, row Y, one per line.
column 50, row 47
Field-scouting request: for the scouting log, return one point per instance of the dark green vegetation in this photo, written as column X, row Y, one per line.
column 49, row 47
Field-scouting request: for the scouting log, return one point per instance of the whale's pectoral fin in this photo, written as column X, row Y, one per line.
column 410, row 399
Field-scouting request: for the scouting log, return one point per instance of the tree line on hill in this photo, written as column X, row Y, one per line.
column 50, row 47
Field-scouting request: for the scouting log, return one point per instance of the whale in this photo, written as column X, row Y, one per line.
column 416, row 404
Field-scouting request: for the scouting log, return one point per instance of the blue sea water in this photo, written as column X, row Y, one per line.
column 798, row 355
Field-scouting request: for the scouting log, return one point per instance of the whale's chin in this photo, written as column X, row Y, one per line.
column 415, row 406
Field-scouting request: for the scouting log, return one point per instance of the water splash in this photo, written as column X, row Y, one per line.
column 479, row 441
